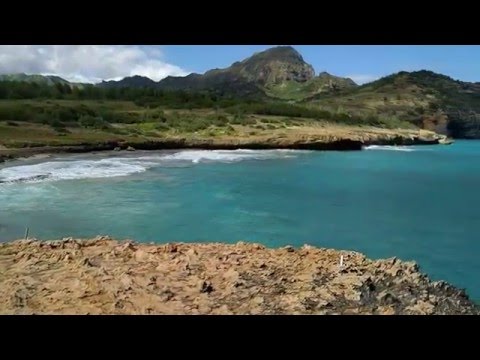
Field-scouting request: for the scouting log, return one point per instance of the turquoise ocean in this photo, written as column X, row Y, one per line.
column 416, row 203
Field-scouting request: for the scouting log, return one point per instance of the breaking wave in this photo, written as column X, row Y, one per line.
column 390, row 148
column 124, row 166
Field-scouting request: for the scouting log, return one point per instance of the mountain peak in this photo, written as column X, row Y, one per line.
column 283, row 53
column 275, row 66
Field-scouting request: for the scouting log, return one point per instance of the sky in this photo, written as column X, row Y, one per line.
column 362, row 63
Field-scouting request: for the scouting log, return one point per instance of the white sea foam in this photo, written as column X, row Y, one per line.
column 196, row 156
column 389, row 148
column 123, row 166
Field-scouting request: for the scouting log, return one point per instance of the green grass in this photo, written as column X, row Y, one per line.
column 71, row 122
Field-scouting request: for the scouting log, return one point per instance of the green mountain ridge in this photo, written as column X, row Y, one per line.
column 279, row 72
column 424, row 98
column 38, row 79
column 278, row 75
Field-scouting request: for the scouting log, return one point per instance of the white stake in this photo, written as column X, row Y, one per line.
column 341, row 260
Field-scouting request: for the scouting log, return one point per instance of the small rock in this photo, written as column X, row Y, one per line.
column 87, row 262
column 126, row 281
column 387, row 298
column 258, row 300
column 238, row 284
column 171, row 248
column 421, row 308
column 119, row 304
column 117, row 148
column 206, row 287
column 289, row 248
column 130, row 148
column 141, row 255
column 167, row 295
column 231, row 276
column 411, row 267
column 223, row 310
column 393, row 260
column 128, row 246
column 386, row 310
column 191, row 252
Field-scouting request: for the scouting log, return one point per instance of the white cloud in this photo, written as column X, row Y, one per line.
column 87, row 63
column 363, row 78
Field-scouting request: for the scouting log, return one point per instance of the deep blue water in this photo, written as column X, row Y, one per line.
column 418, row 203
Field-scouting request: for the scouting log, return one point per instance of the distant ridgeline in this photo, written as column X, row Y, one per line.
column 279, row 81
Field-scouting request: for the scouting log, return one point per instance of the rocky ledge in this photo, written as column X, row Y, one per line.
column 105, row 276
column 337, row 138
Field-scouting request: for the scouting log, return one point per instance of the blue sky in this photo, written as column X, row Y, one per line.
column 363, row 63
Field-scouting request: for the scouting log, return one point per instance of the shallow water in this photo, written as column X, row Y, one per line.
column 416, row 203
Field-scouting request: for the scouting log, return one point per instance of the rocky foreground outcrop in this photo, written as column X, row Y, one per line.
column 104, row 276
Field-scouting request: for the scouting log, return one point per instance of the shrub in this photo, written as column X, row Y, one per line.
column 158, row 115
column 88, row 121
column 151, row 134
column 161, row 127
column 57, row 124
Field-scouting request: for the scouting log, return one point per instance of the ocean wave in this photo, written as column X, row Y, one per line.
column 197, row 156
column 124, row 166
column 390, row 148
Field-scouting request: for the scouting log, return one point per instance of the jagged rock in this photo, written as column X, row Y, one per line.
column 130, row 148
column 206, row 287
column 117, row 148
column 422, row 308
column 128, row 246
column 172, row 279
column 386, row 298
column 171, row 248
column 167, row 295
column 141, row 255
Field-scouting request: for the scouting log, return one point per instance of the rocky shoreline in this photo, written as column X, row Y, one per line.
column 105, row 276
column 353, row 142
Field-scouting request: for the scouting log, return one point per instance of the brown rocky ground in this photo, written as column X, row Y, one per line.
column 104, row 276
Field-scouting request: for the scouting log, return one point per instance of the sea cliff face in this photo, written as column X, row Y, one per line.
column 105, row 276
column 331, row 137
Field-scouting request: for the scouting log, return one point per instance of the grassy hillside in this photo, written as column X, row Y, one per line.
column 54, row 122
column 423, row 98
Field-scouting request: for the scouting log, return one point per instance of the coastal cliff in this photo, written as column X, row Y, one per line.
column 320, row 137
column 105, row 276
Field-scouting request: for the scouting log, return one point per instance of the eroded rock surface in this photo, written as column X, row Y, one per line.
column 105, row 276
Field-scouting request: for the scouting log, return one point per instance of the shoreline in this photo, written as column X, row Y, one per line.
column 107, row 276
column 327, row 144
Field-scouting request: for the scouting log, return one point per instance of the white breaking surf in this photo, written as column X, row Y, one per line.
column 124, row 166
column 390, row 148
